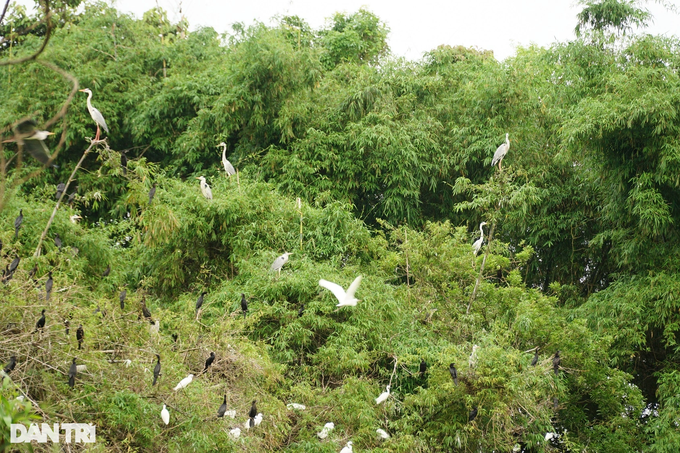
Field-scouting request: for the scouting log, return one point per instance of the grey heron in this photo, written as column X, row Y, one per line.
column 27, row 134
column 279, row 262
column 227, row 165
column 501, row 152
column 152, row 192
column 477, row 245
column 344, row 298
column 95, row 114
column 205, row 188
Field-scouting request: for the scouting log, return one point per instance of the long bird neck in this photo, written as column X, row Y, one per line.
column 481, row 231
column 507, row 140
column 89, row 98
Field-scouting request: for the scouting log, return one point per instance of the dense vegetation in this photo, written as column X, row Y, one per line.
column 359, row 163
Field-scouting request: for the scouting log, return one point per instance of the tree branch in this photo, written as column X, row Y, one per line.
column 4, row 11
column 48, row 34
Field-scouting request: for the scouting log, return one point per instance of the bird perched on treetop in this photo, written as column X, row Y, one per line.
column 95, row 114
column 156, row 370
column 383, row 396
column 17, row 223
column 478, row 243
column 534, row 361
column 244, row 305
column 227, row 165
column 72, row 372
column 205, row 188
column 184, row 382
column 279, row 262
column 209, row 361
column 199, row 302
column 152, row 192
column 48, row 285
column 80, row 335
column 41, row 321
column 501, row 152
column 344, row 298
column 454, row 373
column 10, row 366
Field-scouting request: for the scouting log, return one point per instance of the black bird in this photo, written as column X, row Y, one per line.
column 175, row 337
column 556, row 362
column 80, row 335
column 123, row 295
column 156, row 370
column 72, row 371
column 67, row 324
column 71, row 199
column 14, row 264
column 301, row 311
column 107, row 271
column 244, row 305
column 0, row 244
column 57, row 241
column 145, row 310
column 454, row 373
column 48, row 285
column 152, row 192
column 253, row 413
column 123, row 162
column 423, row 368
column 13, row 362
column 209, row 361
column 534, row 361
column 41, row 321
column 223, row 407
column 199, row 302
column 32, row 272
column 17, row 223
column 60, row 190
column 473, row 414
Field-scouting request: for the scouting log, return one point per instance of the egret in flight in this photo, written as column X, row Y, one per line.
column 95, row 114
column 477, row 245
column 344, row 298
column 501, row 152
column 227, row 165
column 205, row 188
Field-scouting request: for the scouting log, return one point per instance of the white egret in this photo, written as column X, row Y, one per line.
column 205, row 188
column 347, row 448
column 279, row 262
column 165, row 415
column 501, row 152
column 382, row 433
column 344, row 298
column 75, row 218
column 327, row 428
column 478, row 243
column 81, row 368
column 235, row 433
column 383, row 396
column 184, row 382
column 296, row 406
column 227, row 165
column 258, row 419
column 95, row 114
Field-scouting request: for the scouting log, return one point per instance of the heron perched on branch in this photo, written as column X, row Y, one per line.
column 477, row 245
column 26, row 133
column 227, row 165
column 501, row 152
column 95, row 114
column 205, row 188
column 279, row 263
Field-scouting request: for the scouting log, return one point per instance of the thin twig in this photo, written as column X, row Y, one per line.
column 4, row 10
column 48, row 34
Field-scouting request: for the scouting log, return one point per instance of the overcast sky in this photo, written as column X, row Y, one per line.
column 415, row 26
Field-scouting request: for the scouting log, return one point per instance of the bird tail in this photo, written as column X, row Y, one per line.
column 71, row 381
column 154, row 380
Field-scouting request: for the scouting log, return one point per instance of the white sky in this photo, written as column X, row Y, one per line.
column 415, row 26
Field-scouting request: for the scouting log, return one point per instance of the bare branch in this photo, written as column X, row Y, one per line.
column 4, row 11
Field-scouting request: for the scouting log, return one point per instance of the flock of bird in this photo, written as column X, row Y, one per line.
column 32, row 139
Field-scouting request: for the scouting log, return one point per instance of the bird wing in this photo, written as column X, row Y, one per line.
column 353, row 287
column 99, row 119
column 37, row 149
column 499, row 154
column 336, row 289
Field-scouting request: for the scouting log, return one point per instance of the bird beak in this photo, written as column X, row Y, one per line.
column 81, row 90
